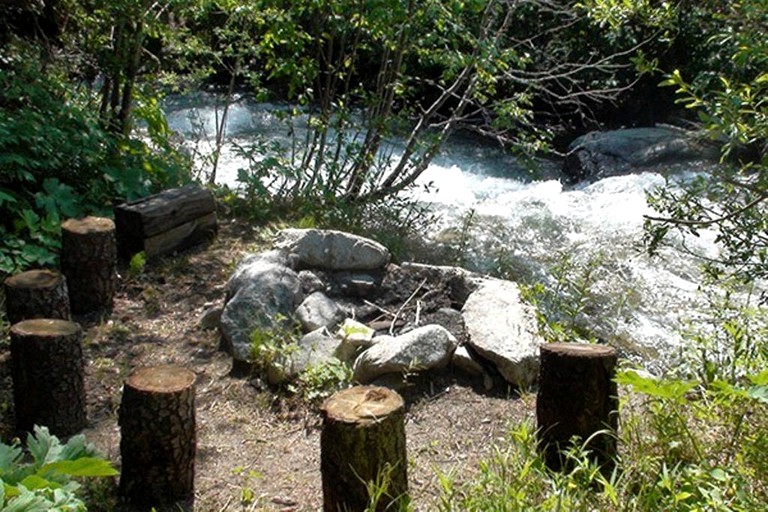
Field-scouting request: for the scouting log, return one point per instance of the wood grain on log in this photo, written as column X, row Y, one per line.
column 171, row 220
column 363, row 442
column 577, row 398
column 158, row 440
column 89, row 260
column 36, row 294
column 47, row 369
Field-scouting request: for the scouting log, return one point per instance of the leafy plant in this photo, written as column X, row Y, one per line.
column 47, row 482
column 319, row 382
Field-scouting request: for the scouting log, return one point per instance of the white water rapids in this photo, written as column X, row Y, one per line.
column 635, row 302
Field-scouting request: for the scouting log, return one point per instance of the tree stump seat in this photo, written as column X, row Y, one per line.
column 577, row 398
column 89, row 260
column 363, row 441
column 47, row 369
column 36, row 294
column 158, row 440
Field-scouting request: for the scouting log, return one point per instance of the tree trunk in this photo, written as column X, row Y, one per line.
column 363, row 443
column 88, row 259
column 48, row 375
column 158, row 444
column 36, row 294
column 577, row 398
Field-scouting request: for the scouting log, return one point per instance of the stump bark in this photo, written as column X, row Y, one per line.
column 577, row 398
column 47, row 370
column 36, row 294
column 363, row 442
column 88, row 260
column 158, row 440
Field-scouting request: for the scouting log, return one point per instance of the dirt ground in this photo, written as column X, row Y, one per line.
column 258, row 450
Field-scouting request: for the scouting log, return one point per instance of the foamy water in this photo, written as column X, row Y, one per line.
column 639, row 302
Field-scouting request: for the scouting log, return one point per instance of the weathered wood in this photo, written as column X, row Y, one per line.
column 363, row 441
column 36, row 294
column 171, row 220
column 202, row 229
column 89, row 260
column 577, row 398
column 47, row 369
column 158, row 441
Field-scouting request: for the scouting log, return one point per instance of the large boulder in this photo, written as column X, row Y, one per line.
column 424, row 348
column 599, row 155
column 262, row 290
column 503, row 330
column 332, row 250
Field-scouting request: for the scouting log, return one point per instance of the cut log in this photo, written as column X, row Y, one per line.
column 88, row 260
column 36, row 294
column 47, row 370
column 171, row 220
column 363, row 443
column 577, row 402
column 158, row 443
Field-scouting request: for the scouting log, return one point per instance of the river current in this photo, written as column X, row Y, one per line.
column 529, row 222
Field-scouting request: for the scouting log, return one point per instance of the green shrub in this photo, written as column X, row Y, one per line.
column 47, row 481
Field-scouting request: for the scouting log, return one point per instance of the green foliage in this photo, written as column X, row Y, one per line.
column 58, row 161
column 729, row 99
column 137, row 264
column 272, row 345
column 46, row 483
column 317, row 383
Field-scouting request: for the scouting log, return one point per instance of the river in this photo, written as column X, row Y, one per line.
column 532, row 226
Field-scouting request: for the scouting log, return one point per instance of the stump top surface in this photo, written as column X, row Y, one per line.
column 161, row 379
column 361, row 404
column 34, row 279
column 45, row 327
column 579, row 349
column 88, row 225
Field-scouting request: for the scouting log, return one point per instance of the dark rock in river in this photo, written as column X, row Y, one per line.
column 599, row 155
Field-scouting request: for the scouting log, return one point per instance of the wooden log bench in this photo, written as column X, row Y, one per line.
column 166, row 222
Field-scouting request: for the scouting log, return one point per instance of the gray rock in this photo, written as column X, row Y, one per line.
column 464, row 361
column 318, row 311
column 210, row 318
column 332, row 250
column 261, row 290
column 356, row 284
column 503, row 330
column 310, row 282
column 452, row 320
column 430, row 346
column 313, row 349
column 598, row 155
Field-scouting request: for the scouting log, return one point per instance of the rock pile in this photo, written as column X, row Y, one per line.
column 349, row 303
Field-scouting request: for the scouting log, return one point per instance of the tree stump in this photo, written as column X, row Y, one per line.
column 577, row 398
column 363, row 442
column 158, row 442
column 47, row 369
column 36, row 294
column 88, row 259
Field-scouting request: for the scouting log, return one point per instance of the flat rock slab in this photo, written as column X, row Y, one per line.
column 332, row 250
column 503, row 330
column 424, row 348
